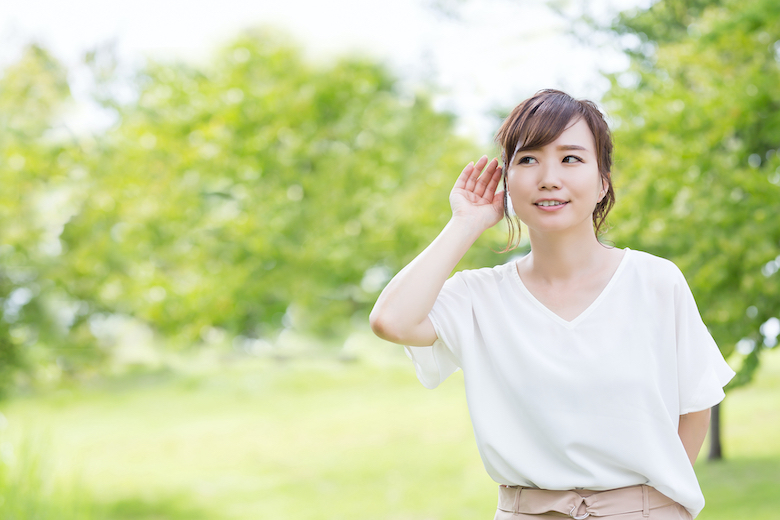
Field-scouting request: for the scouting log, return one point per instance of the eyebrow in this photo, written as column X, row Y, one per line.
column 559, row 147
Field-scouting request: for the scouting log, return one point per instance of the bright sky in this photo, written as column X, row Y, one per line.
column 488, row 54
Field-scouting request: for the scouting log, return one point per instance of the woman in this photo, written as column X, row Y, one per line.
column 589, row 374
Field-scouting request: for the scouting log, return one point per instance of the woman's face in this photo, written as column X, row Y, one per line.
column 556, row 188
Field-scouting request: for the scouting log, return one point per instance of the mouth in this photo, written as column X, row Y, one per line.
column 550, row 203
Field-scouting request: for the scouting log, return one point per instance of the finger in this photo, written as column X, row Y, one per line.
column 464, row 175
column 493, row 184
column 498, row 201
column 484, row 180
column 472, row 180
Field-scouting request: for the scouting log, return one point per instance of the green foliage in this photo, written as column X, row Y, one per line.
column 664, row 21
column 37, row 171
column 253, row 193
column 10, row 357
column 697, row 129
column 256, row 192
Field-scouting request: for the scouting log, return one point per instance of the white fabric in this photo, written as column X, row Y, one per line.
column 593, row 403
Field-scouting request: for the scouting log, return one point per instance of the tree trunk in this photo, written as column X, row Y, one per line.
column 716, row 450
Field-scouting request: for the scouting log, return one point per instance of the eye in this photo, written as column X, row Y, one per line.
column 572, row 159
column 526, row 160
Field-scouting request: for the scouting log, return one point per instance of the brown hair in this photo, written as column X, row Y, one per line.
column 540, row 120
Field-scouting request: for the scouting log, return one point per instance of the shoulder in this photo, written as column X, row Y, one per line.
column 660, row 274
column 655, row 266
column 486, row 276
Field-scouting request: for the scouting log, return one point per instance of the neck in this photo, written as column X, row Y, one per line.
column 565, row 256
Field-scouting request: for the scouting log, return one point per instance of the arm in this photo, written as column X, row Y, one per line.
column 401, row 312
column 692, row 429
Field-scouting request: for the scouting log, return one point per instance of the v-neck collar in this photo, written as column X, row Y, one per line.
column 584, row 314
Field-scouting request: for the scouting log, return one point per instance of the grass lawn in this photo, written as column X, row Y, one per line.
column 747, row 484
column 320, row 439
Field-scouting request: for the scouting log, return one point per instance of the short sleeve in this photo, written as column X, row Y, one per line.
column 701, row 370
column 453, row 322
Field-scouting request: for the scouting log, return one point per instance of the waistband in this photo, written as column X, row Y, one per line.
column 581, row 503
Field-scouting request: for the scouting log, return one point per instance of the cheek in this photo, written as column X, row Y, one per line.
column 514, row 183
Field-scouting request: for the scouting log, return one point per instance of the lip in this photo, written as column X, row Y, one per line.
column 551, row 208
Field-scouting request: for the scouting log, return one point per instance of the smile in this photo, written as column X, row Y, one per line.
column 546, row 203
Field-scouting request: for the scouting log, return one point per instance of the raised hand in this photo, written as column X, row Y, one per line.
column 401, row 312
column 474, row 195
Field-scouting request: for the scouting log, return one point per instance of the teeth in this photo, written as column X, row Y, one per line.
column 550, row 203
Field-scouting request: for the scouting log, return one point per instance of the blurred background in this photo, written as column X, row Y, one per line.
column 200, row 203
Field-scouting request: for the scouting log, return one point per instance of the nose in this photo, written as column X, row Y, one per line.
column 548, row 177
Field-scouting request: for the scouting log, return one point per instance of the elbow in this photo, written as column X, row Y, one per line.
column 381, row 327
column 374, row 322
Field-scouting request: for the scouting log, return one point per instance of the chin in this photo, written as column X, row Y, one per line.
column 560, row 227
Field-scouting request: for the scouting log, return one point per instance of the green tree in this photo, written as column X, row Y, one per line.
column 697, row 128
column 37, row 169
column 258, row 192
column 253, row 193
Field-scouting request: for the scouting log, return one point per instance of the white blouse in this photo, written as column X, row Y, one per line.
column 592, row 403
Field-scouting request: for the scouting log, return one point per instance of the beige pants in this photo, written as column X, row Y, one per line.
column 629, row 503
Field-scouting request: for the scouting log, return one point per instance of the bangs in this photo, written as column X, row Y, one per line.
column 545, row 124
column 540, row 122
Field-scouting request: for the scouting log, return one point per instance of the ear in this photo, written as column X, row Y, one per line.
column 604, row 189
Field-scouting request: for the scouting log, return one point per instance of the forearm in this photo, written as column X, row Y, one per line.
column 692, row 430
column 406, row 301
